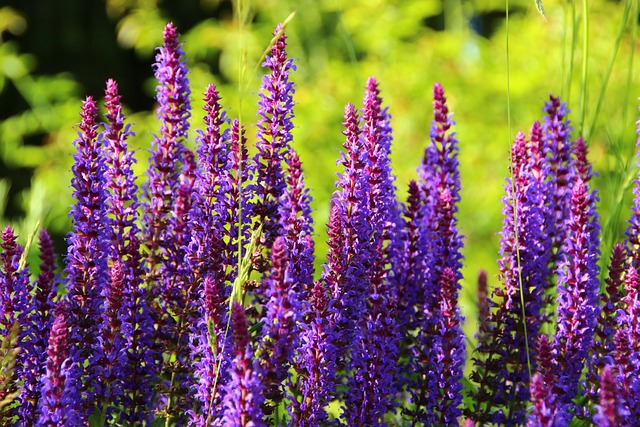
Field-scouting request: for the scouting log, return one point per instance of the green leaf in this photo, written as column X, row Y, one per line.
column 95, row 420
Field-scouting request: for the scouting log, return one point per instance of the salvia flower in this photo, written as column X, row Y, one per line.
column 15, row 308
column 558, row 148
column 316, row 363
column 172, row 94
column 37, row 318
column 275, row 110
column 374, row 357
column 609, row 409
column 87, row 273
column 122, row 206
column 633, row 229
column 279, row 331
column 209, row 256
column 244, row 393
column 53, row 407
column 578, row 289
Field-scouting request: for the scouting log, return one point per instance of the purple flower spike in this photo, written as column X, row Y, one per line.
column 87, row 273
column 15, row 310
column 610, row 302
column 37, row 321
column 316, row 367
column 53, row 406
column 350, row 254
column 627, row 345
column 12, row 282
column 558, row 149
column 633, row 229
column 274, row 137
column 172, row 94
column 578, row 289
column 210, row 256
column 112, row 354
column 451, row 356
column 122, row 210
column 245, row 393
column 609, row 409
column 279, row 331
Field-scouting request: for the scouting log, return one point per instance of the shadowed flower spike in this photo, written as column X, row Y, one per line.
column 627, row 344
column 610, row 303
column 11, row 281
column 316, row 367
column 244, row 393
column 86, row 261
column 15, row 306
column 275, row 110
column 280, row 338
column 122, row 210
column 37, row 322
column 609, row 409
column 578, row 289
column 112, row 354
column 53, row 406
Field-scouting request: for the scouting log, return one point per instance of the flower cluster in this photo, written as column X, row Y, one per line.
column 192, row 300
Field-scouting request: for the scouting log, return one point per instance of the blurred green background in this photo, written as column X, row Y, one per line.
column 54, row 52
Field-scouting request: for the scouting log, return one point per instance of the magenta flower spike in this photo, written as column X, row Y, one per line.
column 280, row 338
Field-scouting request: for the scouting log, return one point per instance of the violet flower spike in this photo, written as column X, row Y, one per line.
column 244, row 397
column 347, row 274
column 16, row 307
column 172, row 94
column 633, row 229
column 37, row 319
column 122, row 210
column 53, row 407
column 578, row 288
column 316, row 364
column 609, row 410
column 86, row 269
column 209, row 257
column 279, row 330
column 275, row 109
column 558, row 148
